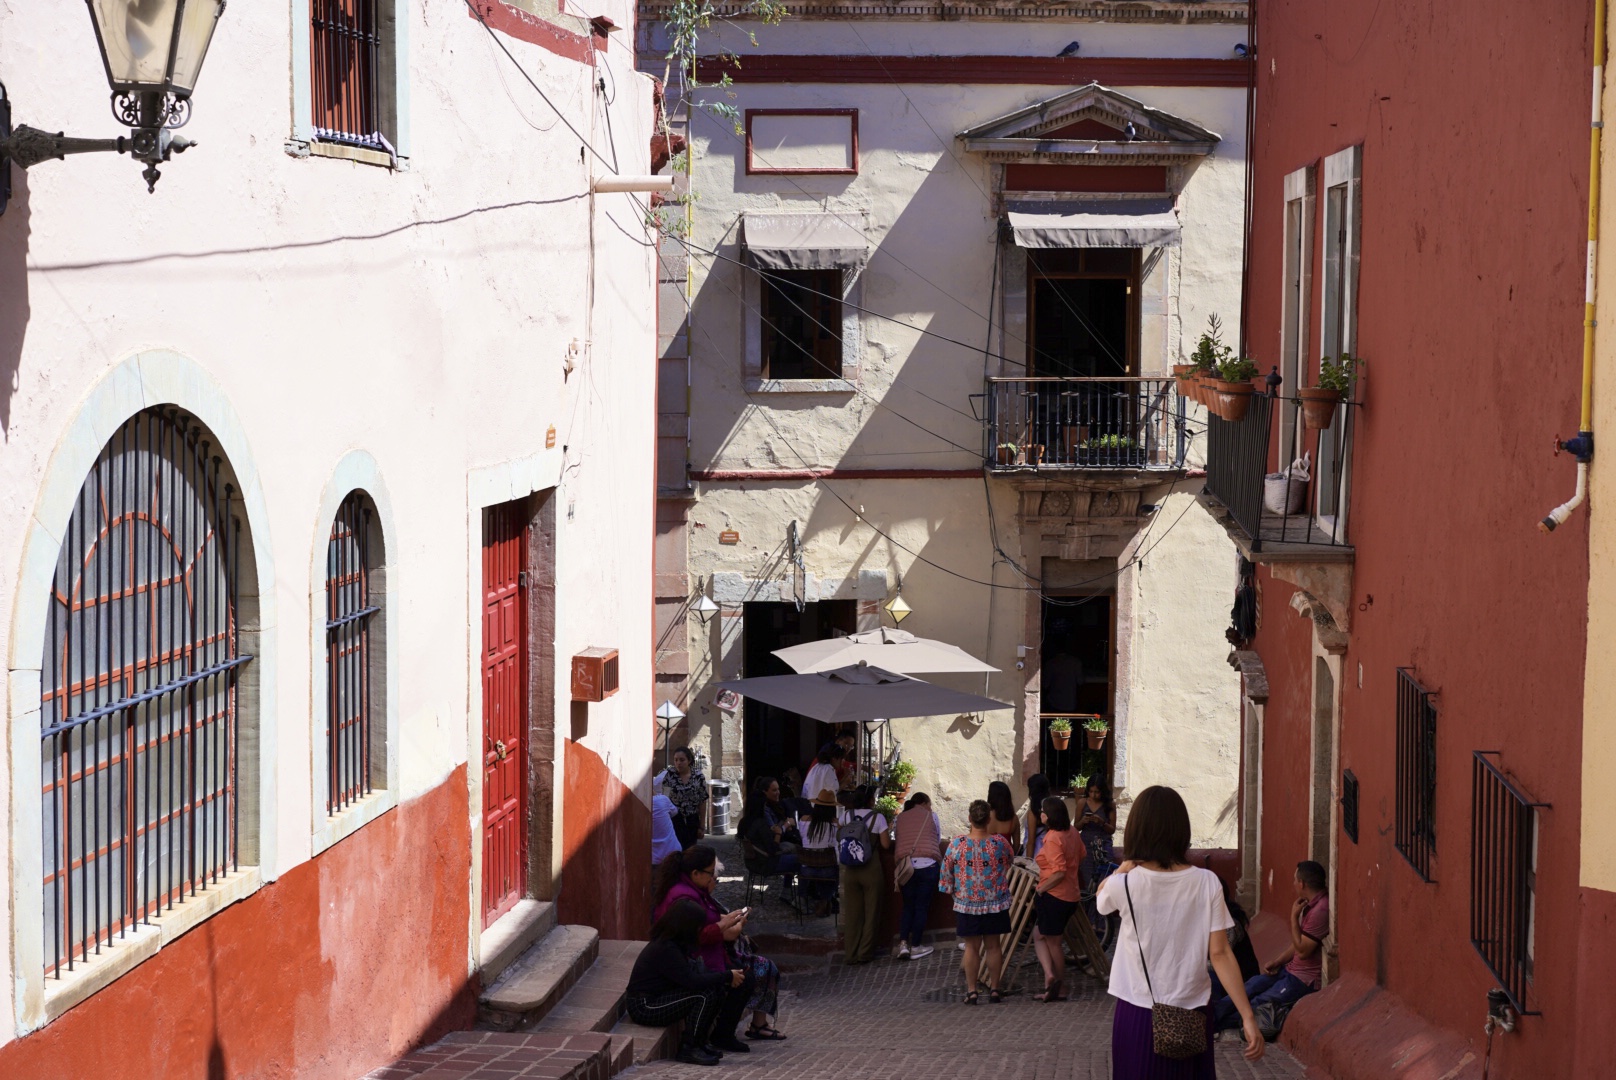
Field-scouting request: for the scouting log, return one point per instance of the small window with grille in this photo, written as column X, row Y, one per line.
column 352, row 68
column 1349, row 805
column 1503, row 876
column 1416, row 773
column 356, row 729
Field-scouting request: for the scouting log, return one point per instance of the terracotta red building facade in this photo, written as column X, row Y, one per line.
column 1419, row 200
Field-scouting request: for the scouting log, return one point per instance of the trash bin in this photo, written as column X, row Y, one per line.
column 719, row 792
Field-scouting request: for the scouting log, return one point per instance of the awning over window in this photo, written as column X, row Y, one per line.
column 804, row 241
column 1137, row 223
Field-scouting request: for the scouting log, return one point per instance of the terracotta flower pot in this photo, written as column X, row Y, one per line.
column 1060, row 741
column 1035, row 454
column 1203, row 389
column 1233, row 399
column 1318, row 406
column 1005, row 455
column 1096, row 739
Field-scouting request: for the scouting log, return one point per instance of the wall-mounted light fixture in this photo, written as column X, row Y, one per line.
column 704, row 607
column 898, row 609
column 153, row 53
column 668, row 716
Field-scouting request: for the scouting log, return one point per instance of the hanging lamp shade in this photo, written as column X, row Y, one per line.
column 154, row 46
column 899, row 609
column 669, row 713
column 704, row 606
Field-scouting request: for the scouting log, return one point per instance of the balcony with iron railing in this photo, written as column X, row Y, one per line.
column 1039, row 424
column 1271, row 513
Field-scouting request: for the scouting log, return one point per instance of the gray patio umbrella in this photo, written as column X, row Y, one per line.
column 858, row 692
column 886, row 648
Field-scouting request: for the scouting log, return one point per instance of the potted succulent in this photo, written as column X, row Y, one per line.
column 1005, row 453
column 900, row 774
column 1096, row 730
column 1335, row 382
column 1060, row 732
column 1209, row 353
column 1233, row 387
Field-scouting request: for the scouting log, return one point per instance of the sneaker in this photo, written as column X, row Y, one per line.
column 960, row 945
column 731, row 1045
column 919, row 951
column 696, row 1055
column 903, row 951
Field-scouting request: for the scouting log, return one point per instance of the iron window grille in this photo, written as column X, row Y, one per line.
column 345, row 71
column 1349, row 804
column 139, row 723
column 1416, row 773
column 349, row 612
column 1503, row 876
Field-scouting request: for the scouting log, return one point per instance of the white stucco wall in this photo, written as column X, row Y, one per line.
column 928, row 211
column 420, row 316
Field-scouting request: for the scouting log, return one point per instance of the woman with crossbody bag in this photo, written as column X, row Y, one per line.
column 918, row 846
column 1173, row 922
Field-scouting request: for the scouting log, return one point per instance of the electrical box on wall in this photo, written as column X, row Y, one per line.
column 594, row 675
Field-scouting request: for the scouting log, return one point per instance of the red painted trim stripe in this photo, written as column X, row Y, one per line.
column 731, row 476
column 1036, row 70
column 525, row 26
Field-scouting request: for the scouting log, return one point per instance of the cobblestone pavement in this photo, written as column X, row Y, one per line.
column 903, row 1020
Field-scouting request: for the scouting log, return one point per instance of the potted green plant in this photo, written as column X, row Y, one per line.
column 900, row 774
column 1080, row 784
column 1233, row 387
column 1060, row 732
column 1209, row 353
column 888, row 807
column 1005, row 452
column 1096, row 730
column 1335, row 382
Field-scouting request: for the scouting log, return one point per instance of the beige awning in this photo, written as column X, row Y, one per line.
column 1138, row 223
column 804, row 241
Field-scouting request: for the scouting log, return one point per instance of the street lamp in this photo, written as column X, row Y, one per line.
column 152, row 51
column 668, row 716
column 704, row 607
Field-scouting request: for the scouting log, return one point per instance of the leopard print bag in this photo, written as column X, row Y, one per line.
column 1175, row 1033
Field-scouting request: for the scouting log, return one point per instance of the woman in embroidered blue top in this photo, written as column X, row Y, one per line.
column 976, row 872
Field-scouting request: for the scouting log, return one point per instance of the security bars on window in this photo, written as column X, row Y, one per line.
column 347, row 655
column 345, row 71
column 138, row 706
column 1349, row 805
column 1503, row 872
column 1416, row 773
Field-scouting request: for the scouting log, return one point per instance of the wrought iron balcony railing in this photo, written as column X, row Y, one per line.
column 1275, row 514
column 1054, row 423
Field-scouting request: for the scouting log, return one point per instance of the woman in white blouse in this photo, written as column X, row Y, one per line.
column 1173, row 922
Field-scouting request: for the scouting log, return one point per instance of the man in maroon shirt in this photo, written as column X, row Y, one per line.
column 1296, row 974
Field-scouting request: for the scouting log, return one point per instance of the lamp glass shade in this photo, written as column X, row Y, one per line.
column 898, row 608
column 704, row 605
column 669, row 713
column 141, row 48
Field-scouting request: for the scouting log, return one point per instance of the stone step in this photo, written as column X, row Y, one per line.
column 649, row 1043
column 511, row 936
column 492, row 1055
column 596, row 1002
column 538, row 980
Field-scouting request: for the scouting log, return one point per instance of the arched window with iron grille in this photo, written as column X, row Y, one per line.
column 356, row 752
column 141, row 718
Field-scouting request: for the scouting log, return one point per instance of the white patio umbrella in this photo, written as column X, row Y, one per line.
column 859, row 692
column 886, row 648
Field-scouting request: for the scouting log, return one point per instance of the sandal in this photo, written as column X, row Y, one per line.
column 970, row 997
column 1051, row 991
column 995, row 996
column 763, row 1033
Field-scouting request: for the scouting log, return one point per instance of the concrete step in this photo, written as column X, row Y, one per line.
column 491, row 1055
column 511, row 936
column 538, row 980
column 595, row 1003
column 648, row 1043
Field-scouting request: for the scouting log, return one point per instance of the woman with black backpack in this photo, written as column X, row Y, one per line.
column 860, row 833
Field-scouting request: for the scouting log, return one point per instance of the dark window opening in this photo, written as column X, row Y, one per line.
column 1082, row 312
column 776, row 740
column 1349, row 805
column 1503, row 877
column 352, row 740
column 1416, row 773
column 802, row 324
column 1075, row 683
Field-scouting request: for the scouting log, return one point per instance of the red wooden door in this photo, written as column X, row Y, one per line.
column 504, row 711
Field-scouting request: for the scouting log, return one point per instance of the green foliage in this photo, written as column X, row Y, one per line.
column 1237, row 369
column 900, row 774
column 1060, row 726
column 1337, row 373
column 1097, row 724
column 887, row 805
column 1210, row 351
column 1109, row 442
column 685, row 22
column 1080, row 783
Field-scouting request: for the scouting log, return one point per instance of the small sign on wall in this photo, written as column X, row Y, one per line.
column 729, row 536
column 549, row 438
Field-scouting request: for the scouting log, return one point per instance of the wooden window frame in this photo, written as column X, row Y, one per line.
column 753, row 169
column 1034, row 273
column 768, row 330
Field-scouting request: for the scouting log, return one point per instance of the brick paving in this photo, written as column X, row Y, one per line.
column 902, row 1020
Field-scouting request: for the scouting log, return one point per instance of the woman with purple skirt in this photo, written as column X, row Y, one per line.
column 1173, row 923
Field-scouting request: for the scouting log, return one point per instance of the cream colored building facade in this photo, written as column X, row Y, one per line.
column 923, row 156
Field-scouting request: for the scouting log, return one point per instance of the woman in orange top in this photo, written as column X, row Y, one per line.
column 1059, row 888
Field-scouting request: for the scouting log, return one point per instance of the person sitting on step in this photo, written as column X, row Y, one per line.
column 669, row 985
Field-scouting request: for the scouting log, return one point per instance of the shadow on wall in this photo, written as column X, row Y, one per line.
column 606, row 845
column 13, row 294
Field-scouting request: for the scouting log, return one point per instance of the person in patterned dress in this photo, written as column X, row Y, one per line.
column 687, row 788
column 976, row 873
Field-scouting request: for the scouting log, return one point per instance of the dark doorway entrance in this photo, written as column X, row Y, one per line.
column 1083, row 312
column 776, row 740
column 1075, row 680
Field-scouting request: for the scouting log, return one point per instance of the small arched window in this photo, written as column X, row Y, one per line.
column 356, row 683
column 142, row 752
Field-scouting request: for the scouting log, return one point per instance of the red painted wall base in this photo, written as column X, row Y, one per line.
column 606, row 844
column 338, row 967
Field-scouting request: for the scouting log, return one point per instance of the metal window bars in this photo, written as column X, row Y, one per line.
column 1503, row 870
column 1085, row 423
column 1349, row 804
column 345, row 42
column 138, row 707
column 1416, row 773
column 1064, row 768
column 348, row 654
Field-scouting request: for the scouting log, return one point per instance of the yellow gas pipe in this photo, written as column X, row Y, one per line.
column 1582, row 447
